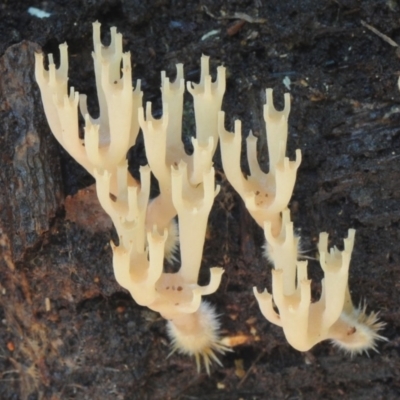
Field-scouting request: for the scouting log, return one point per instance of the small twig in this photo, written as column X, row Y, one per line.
column 236, row 15
column 380, row 34
column 249, row 371
column 11, row 371
column 248, row 18
column 77, row 386
column 181, row 393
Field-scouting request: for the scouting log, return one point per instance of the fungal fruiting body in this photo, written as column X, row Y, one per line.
column 146, row 227
column 266, row 197
column 333, row 316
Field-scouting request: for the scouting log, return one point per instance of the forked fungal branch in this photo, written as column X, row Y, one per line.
column 266, row 197
column 146, row 228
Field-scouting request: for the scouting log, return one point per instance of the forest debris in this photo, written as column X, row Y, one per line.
column 211, row 33
column 248, row 18
column 309, row 358
column 260, row 355
column 38, row 13
column 303, row 83
column 287, row 82
column 47, row 304
column 233, row 341
column 5, row 248
column 239, row 370
column 251, row 320
column 10, row 346
column 252, row 35
column 384, row 37
column 236, row 15
column 316, row 95
column 253, row 331
column 235, row 27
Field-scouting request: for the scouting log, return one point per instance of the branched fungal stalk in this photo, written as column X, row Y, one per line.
column 147, row 228
column 266, row 196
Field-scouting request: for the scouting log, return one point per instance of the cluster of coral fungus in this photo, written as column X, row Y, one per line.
column 147, row 228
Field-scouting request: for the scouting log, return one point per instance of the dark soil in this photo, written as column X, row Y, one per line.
column 95, row 342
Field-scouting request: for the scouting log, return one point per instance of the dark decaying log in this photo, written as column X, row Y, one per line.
column 30, row 178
